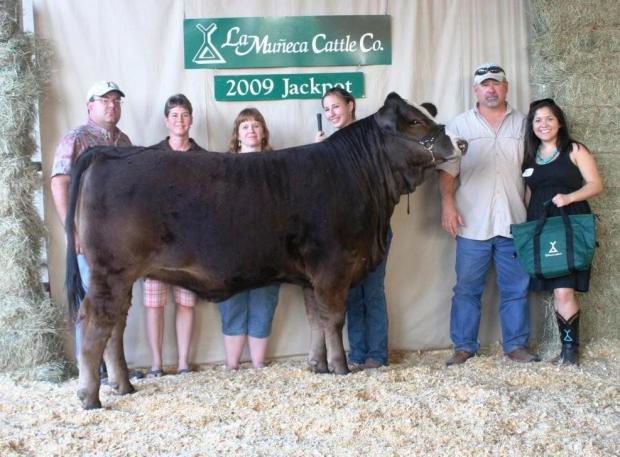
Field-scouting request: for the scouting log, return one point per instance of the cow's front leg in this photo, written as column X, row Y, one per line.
column 114, row 356
column 94, row 335
column 331, row 303
column 317, row 358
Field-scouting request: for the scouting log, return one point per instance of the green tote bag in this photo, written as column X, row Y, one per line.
column 555, row 246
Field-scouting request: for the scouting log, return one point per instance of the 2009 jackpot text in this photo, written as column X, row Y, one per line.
column 284, row 87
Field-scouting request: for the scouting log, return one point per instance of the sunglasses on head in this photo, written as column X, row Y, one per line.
column 484, row 70
column 546, row 101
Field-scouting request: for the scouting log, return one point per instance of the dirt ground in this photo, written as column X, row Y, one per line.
column 416, row 406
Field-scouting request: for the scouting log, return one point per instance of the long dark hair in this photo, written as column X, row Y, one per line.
column 532, row 142
column 343, row 94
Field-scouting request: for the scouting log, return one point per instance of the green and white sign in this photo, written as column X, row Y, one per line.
column 285, row 86
column 288, row 41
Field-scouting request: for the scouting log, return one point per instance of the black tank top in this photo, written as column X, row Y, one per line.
column 558, row 177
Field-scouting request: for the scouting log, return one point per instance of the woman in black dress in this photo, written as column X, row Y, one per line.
column 558, row 169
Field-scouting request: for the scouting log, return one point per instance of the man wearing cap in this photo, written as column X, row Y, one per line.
column 489, row 197
column 103, row 103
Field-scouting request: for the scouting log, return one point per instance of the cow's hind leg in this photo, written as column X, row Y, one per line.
column 103, row 315
column 114, row 356
column 317, row 358
column 94, row 335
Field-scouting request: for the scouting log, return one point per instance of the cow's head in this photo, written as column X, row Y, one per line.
column 415, row 124
column 414, row 140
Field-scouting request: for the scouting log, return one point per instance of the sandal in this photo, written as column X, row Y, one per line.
column 184, row 370
column 155, row 373
column 136, row 374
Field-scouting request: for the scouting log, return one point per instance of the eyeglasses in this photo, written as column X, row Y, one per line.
column 108, row 102
column 484, row 70
column 542, row 101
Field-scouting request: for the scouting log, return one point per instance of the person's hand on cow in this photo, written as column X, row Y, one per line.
column 451, row 219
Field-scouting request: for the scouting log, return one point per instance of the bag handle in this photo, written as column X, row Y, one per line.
column 568, row 230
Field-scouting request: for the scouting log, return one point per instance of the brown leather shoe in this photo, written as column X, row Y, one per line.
column 459, row 358
column 354, row 367
column 371, row 363
column 521, row 355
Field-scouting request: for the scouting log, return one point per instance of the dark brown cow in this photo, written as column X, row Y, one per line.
column 315, row 215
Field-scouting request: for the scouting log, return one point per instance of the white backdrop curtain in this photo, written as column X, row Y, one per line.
column 139, row 44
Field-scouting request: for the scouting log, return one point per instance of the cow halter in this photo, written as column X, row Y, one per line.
column 427, row 141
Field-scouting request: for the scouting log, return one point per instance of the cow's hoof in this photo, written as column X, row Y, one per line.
column 340, row 369
column 127, row 389
column 86, row 402
column 318, row 367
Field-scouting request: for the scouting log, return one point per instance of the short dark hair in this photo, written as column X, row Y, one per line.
column 342, row 93
column 177, row 100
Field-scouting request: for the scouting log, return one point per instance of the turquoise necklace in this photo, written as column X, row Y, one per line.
column 541, row 161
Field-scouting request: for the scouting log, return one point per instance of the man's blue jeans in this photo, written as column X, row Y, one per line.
column 85, row 274
column 473, row 259
column 367, row 318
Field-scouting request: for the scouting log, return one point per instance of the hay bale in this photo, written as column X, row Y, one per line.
column 18, row 92
column 598, row 124
column 22, row 72
column 31, row 326
column 570, row 16
column 20, row 239
column 10, row 12
column 20, row 179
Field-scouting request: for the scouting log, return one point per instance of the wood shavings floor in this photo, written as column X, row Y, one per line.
column 415, row 406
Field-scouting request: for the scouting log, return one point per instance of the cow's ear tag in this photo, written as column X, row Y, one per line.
column 528, row 172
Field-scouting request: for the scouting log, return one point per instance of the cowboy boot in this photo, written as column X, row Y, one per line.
column 569, row 336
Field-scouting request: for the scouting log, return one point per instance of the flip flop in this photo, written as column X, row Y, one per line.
column 184, row 370
column 136, row 374
column 155, row 373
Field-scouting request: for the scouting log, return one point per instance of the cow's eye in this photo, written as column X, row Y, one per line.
column 413, row 122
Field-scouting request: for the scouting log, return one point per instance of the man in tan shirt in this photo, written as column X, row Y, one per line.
column 489, row 198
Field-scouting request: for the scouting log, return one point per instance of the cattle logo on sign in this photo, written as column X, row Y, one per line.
column 208, row 53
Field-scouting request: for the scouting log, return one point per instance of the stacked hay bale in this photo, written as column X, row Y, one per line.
column 575, row 59
column 30, row 325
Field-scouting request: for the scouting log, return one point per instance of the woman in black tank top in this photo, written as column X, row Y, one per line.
column 557, row 168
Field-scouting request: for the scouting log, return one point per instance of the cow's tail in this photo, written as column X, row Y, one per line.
column 73, row 278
